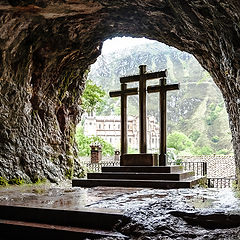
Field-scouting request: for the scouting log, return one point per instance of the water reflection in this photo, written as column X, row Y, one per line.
column 64, row 196
column 57, row 196
column 151, row 210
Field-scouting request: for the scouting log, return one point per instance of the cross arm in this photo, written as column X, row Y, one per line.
column 147, row 76
column 129, row 91
column 159, row 88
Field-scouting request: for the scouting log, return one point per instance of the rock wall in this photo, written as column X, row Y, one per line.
column 46, row 47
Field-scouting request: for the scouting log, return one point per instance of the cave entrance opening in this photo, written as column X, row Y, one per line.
column 194, row 114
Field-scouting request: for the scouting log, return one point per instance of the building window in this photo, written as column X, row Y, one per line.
column 99, row 126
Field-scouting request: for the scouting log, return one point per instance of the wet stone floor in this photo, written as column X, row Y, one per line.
column 154, row 213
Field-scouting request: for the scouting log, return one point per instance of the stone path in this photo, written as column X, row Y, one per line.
column 155, row 214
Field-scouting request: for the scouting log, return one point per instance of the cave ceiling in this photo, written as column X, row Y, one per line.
column 47, row 46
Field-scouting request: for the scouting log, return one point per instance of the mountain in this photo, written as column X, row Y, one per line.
column 197, row 109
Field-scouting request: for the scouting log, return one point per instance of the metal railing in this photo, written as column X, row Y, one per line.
column 97, row 167
column 220, row 182
column 200, row 168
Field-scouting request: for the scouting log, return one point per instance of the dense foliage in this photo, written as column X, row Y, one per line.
column 84, row 142
column 184, row 145
column 93, row 97
column 179, row 141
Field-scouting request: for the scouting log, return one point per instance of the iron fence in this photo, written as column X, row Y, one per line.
column 97, row 167
column 220, row 182
column 199, row 168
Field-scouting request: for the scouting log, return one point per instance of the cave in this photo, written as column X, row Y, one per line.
column 45, row 53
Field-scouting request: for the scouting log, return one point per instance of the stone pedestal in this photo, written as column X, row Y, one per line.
column 142, row 159
column 96, row 153
column 117, row 155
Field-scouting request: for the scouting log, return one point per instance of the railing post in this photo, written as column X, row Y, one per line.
column 208, row 182
column 204, row 168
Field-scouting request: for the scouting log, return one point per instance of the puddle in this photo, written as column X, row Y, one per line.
column 52, row 195
column 202, row 202
column 57, row 196
column 150, row 210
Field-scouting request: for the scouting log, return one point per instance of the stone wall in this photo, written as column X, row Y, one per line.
column 217, row 166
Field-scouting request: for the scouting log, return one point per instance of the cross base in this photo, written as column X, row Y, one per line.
column 162, row 159
column 141, row 159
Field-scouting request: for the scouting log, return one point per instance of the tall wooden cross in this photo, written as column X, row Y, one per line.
column 123, row 94
column 162, row 88
column 142, row 78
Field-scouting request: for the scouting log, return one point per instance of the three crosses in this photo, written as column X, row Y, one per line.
column 162, row 88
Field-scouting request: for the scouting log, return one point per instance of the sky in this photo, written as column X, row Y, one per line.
column 119, row 43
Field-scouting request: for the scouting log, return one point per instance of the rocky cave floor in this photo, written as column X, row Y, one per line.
column 155, row 214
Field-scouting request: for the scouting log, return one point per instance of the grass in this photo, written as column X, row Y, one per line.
column 19, row 181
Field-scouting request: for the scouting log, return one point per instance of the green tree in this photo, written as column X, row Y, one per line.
column 93, row 97
column 84, row 142
column 179, row 141
column 214, row 112
column 195, row 135
column 215, row 139
column 205, row 150
column 223, row 152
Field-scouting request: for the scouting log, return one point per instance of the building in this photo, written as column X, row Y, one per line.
column 108, row 128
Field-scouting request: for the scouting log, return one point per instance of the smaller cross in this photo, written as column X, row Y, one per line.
column 162, row 88
column 123, row 93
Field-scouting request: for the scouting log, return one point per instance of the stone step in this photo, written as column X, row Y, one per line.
column 161, row 184
column 147, row 169
column 27, row 230
column 141, row 176
column 103, row 219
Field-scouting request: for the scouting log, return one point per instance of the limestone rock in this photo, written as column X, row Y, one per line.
column 46, row 47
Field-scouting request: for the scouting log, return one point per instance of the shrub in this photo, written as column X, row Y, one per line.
column 16, row 181
column 222, row 152
column 194, row 135
column 179, row 141
column 215, row 139
column 205, row 150
column 214, row 113
column 3, row 181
